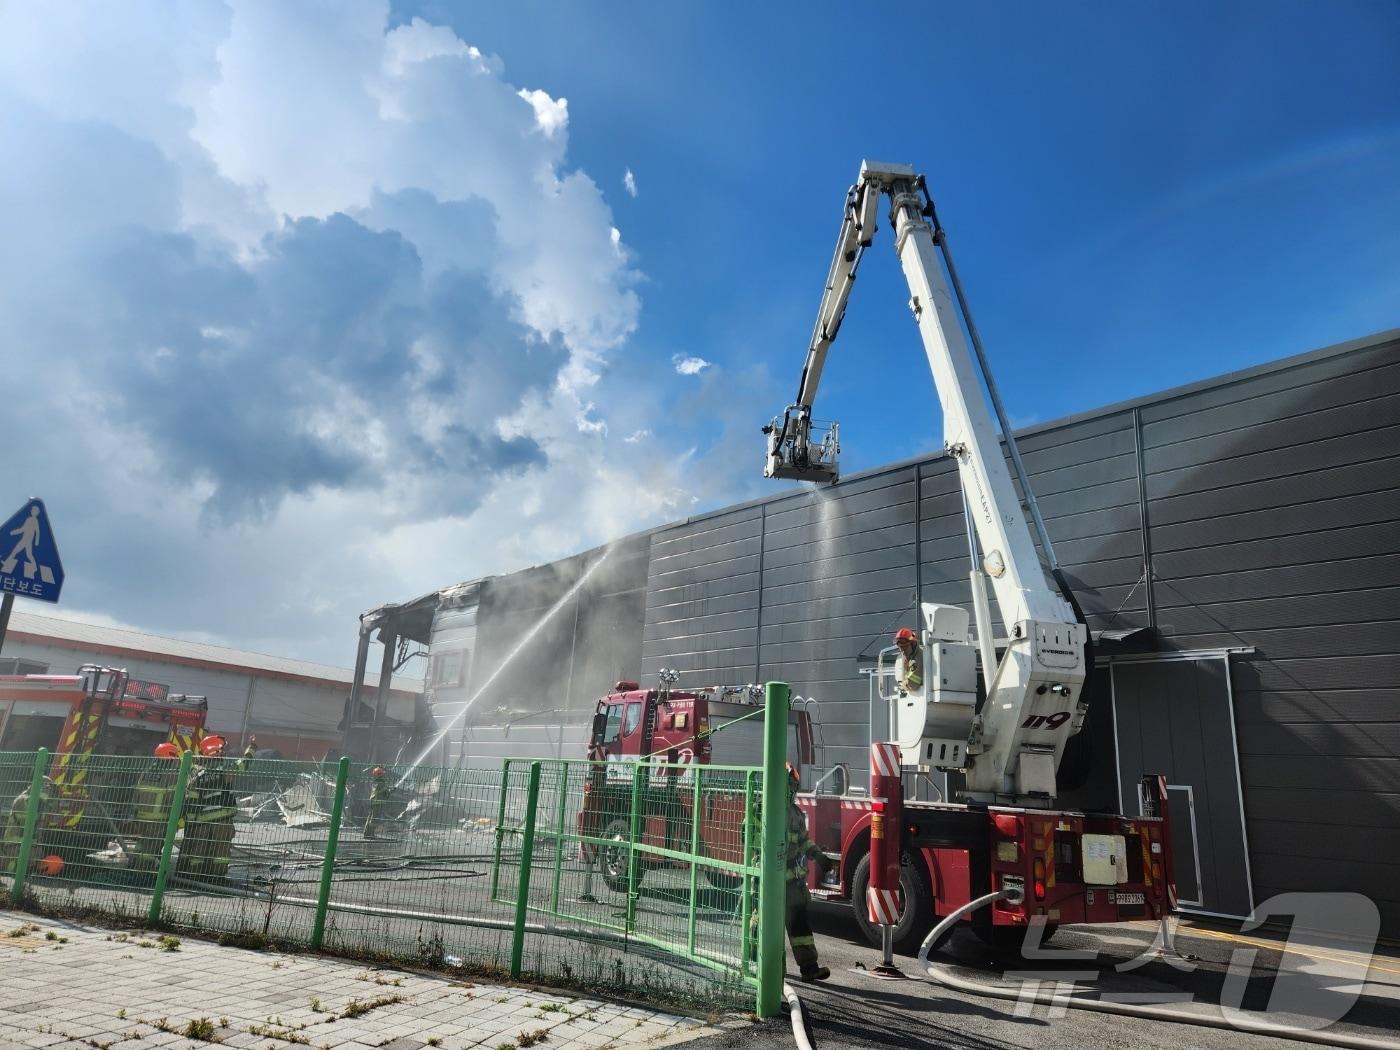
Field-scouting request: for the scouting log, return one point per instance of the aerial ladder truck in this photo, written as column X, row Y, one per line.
column 1008, row 739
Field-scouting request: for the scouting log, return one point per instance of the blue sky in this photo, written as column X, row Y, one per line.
column 1138, row 195
column 334, row 303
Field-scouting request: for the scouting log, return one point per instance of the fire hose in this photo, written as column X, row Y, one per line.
column 1154, row 1013
column 797, row 1014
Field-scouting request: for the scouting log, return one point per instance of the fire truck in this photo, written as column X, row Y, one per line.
column 97, row 711
column 676, row 730
column 996, row 713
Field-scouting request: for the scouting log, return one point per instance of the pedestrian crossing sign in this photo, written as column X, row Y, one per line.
column 32, row 567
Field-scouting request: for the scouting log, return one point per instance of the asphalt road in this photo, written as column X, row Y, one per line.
column 855, row 1010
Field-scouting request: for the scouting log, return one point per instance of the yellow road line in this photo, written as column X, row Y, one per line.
column 1276, row 946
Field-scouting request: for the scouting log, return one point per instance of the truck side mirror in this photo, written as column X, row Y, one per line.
column 600, row 722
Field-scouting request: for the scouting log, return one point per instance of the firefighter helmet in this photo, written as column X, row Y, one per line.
column 165, row 749
column 377, row 772
column 211, row 746
column 50, row 865
column 904, row 634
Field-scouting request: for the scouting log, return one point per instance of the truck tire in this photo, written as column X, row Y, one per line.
column 915, row 920
column 613, row 858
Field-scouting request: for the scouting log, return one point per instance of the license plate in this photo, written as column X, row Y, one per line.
column 1131, row 898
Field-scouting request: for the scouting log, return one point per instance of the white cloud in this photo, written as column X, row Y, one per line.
column 551, row 114
column 629, row 183
column 325, row 313
column 637, row 435
column 689, row 366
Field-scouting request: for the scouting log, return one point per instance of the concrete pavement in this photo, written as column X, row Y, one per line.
column 70, row 985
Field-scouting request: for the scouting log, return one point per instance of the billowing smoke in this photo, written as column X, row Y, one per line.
column 302, row 311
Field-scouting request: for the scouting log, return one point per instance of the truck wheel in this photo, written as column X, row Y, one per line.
column 614, row 856
column 916, row 918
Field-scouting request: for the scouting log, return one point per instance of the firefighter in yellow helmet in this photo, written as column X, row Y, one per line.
column 210, row 807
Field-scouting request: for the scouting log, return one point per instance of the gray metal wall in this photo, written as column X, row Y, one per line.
column 1266, row 503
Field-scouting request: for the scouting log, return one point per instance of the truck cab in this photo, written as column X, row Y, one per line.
column 715, row 725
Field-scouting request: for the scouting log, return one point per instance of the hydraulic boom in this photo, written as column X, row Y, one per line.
column 1010, row 747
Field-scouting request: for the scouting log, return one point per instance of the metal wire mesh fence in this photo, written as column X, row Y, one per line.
column 636, row 877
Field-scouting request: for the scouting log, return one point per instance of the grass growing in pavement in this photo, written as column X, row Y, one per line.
column 360, row 1007
column 200, row 1028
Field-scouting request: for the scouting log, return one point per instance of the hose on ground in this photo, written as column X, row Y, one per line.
column 797, row 1014
column 1153, row 1013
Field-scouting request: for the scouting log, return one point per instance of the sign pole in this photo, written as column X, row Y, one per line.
column 5, row 607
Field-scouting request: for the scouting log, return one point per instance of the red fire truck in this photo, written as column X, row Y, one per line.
column 708, row 726
column 97, row 711
column 1070, row 866
column 997, row 709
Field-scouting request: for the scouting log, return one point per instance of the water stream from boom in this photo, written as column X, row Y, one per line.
column 505, row 662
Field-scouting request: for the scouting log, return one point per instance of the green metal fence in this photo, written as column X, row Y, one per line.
column 633, row 878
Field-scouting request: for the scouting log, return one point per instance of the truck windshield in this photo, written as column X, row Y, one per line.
column 614, row 724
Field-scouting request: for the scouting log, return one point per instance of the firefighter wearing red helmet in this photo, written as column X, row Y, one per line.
column 153, row 797
column 909, row 668
column 210, row 806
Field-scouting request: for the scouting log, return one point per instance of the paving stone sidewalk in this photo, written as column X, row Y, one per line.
column 70, row 985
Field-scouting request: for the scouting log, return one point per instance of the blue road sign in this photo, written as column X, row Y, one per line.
column 32, row 567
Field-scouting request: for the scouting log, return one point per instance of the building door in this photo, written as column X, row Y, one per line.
column 1176, row 717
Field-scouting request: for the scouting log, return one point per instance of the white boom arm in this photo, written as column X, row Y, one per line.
column 1011, row 749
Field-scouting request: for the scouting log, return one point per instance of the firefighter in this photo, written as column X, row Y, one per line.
column 800, row 849
column 248, row 753
column 378, row 798
column 909, row 668
column 210, row 807
column 155, row 793
column 13, row 834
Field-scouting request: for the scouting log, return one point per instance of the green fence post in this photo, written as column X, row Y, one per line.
column 694, row 857
column 527, row 849
column 633, row 860
column 500, row 828
column 746, row 901
column 31, row 823
column 172, row 825
column 773, row 861
column 323, row 899
column 559, row 833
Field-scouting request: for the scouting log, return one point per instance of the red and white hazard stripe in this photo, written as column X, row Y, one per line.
column 882, row 906
column 884, row 759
